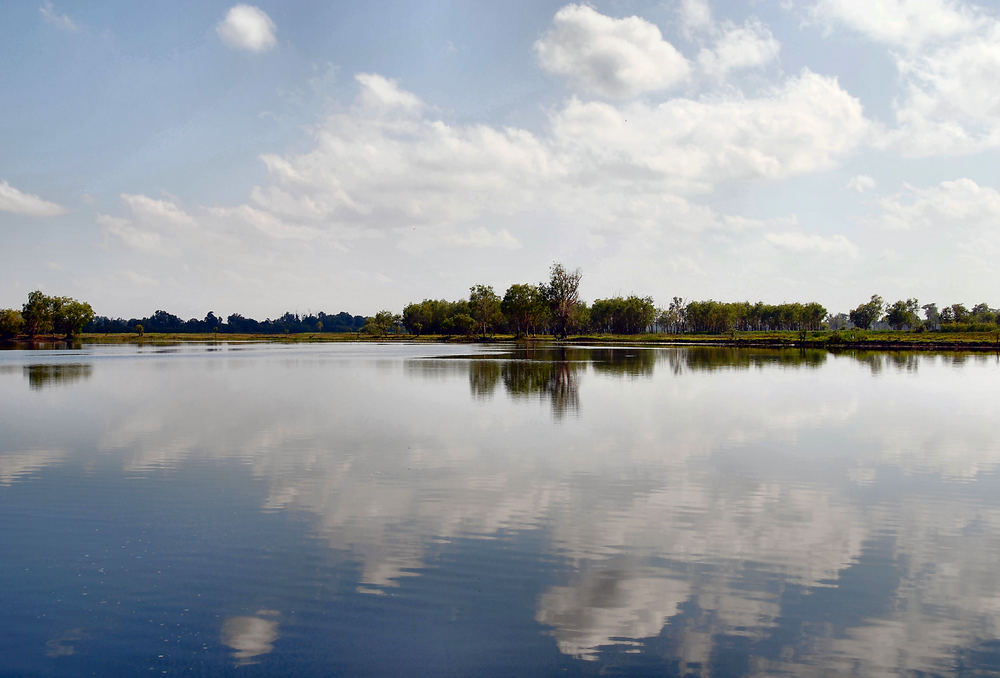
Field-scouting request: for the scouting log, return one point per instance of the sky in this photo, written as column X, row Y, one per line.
column 315, row 156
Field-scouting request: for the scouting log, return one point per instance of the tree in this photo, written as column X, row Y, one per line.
column 69, row 315
column 37, row 313
column 960, row 313
column 631, row 315
column 381, row 324
column 485, row 307
column 865, row 315
column 562, row 295
column 11, row 322
column 673, row 317
column 903, row 314
column 63, row 315
column 932, row 316
column 523, row 308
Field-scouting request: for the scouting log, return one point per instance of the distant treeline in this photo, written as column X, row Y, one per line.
column 553, row 307
column 290, row 323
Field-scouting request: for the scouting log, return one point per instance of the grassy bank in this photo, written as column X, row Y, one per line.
column 866, row 339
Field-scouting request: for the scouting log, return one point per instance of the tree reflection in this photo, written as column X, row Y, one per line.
column 709, row 358
column 42, row 375
column 557, row 381
column 484, row 375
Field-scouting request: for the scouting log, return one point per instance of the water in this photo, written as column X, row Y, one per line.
column 369, row 510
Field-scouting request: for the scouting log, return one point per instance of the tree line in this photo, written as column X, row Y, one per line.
column 551, row 307
column 235, row 323
column 554, row 307
column 42, row 315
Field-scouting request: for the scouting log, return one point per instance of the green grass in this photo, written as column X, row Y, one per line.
column 872, row 339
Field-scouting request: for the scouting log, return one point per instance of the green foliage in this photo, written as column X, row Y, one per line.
column 63, row 315
column 11, row 322
column 903, row 314
column 524, row 309
column 631, row 315
column 562, row 293
column 485, row 307
column 430, row 315
column 381, row 324
column 716, row 317
column 866, row 315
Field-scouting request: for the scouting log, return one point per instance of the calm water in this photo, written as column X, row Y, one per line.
column 358, row 510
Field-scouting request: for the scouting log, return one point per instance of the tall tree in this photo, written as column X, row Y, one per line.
column 903, row 314
column 484, row 305
column 523, row 308
column 563, row 295
column 865, row 315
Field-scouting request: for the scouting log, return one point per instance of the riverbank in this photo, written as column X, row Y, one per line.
column 853, row 339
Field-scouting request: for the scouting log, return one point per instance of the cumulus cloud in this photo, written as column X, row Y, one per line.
column 901, row 23
column 247, row 27
column 950, row 204
column 860, row 183
column 18, row 202
column 387, row 168
column 952, row 98
column 738, row 47
column 380, row 92
column 947, row 53
column 805, row 125
column 612, row 58
column 812, row 243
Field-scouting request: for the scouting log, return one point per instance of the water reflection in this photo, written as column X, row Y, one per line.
column 18, row 464
column 798, row 517
column 250, row 637
column 42, row 375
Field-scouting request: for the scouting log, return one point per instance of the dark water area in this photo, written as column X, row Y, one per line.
column 386, row 510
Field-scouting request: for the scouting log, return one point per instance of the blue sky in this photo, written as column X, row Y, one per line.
column 197, row 156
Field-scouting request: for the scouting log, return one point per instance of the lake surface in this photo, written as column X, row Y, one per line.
column 371, row 510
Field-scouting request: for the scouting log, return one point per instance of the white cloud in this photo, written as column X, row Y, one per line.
column 749, row 46
column 131, row 236
column 386, row 174
column 612, row 58
column 860, row 183
column 54, row 18
column 902, row 23
column 952, row 98
column 948, row 60
column 805, row 125
column 247, row 27
column 695, row 16
column 18, row 202
column 812, row 243
column 381, row 92
column 961, row 203
column 154, row 226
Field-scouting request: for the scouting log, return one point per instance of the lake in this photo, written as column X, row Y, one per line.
column 373, row 510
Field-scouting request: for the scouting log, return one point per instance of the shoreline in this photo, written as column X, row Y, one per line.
column 878, row 340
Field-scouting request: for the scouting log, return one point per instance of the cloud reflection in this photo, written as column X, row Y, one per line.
column 693, row 498
column 250, row 637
